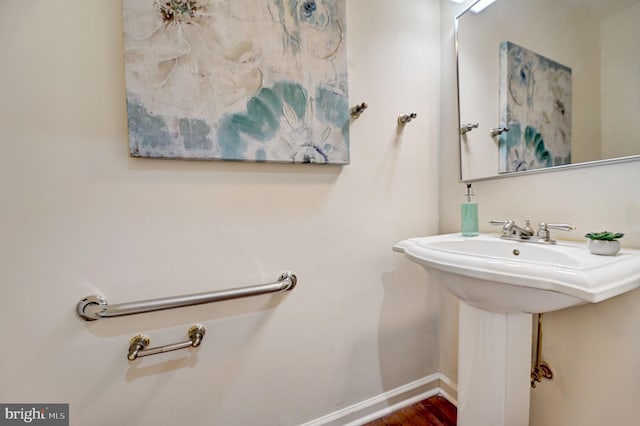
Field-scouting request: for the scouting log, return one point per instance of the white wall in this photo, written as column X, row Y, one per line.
column 79, row 217
column 594, row 350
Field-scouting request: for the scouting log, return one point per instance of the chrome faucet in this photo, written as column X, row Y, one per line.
column 511, row 231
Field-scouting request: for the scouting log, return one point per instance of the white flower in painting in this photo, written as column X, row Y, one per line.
column 181, row 60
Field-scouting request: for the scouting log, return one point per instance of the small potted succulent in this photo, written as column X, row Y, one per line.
column 604, row 243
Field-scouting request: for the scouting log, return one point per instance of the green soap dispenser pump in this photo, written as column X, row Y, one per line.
column 469, row 213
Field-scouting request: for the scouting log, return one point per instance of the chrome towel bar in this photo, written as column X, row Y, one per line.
column 95, row 307
column 138, row 344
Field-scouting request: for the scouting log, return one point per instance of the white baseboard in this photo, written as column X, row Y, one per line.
column 388, row 402
column 449, row 389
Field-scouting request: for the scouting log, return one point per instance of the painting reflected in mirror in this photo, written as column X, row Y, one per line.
column 550, row 84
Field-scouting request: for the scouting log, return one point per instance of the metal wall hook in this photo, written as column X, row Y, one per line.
column 468, row 127
column 357, row 110
column 498, row 131
column 406, row 118
column 138, row 344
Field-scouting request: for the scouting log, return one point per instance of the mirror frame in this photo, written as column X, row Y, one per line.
column 593, row 163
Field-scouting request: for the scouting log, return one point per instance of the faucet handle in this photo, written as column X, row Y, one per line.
column 507, row 225
column 496, row 222
column 559, row 226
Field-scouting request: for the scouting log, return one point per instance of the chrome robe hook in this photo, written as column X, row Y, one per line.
column 468, row 127
column 358, row 109
column 498, row 131
column 406, row 118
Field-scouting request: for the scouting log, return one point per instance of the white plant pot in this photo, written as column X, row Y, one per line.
column 604, row 248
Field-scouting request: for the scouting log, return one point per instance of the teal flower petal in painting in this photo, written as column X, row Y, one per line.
column 535, row 143
column 294, row 95
column 331, row 107
column 195, row 134
column 262, row 119
column 147, row 132
column 232, row 145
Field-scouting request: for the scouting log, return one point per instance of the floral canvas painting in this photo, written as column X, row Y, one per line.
column 250, row 80
column 535, row 105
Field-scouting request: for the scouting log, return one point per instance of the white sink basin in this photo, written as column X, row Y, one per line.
column 509, row 277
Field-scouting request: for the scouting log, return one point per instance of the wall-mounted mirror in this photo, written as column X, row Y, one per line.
column 550, row 84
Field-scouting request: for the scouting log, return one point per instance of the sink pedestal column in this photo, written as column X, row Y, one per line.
column 494, row 367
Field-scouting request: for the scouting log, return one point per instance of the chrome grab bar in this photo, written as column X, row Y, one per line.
column 138, row 344
column 95, row 307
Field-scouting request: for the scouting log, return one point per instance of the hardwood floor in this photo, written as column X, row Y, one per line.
column 435, row 411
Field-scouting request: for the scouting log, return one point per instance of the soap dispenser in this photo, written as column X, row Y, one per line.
column 469, row 213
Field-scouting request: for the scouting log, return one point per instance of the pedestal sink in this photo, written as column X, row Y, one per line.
column 500, row 284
